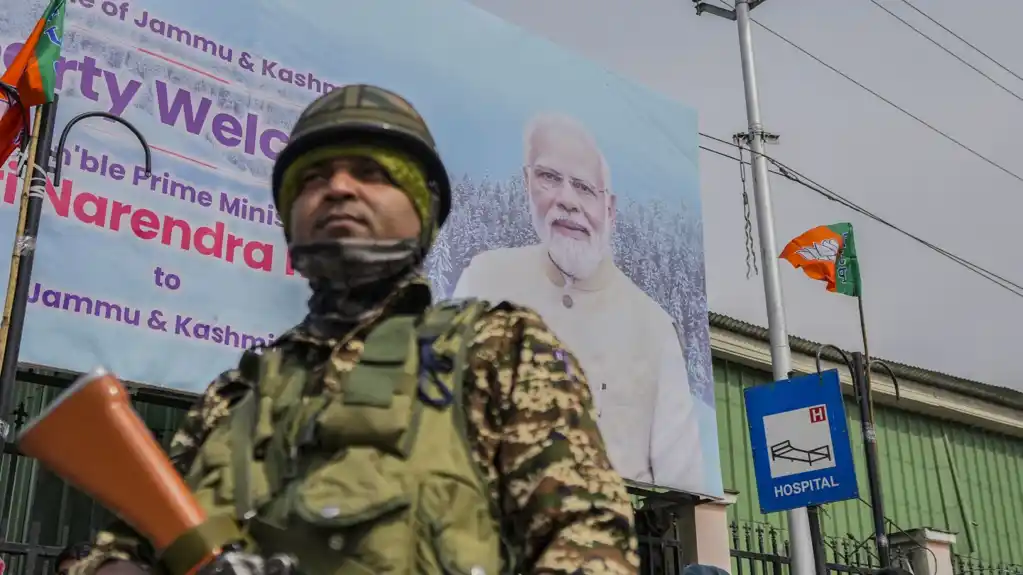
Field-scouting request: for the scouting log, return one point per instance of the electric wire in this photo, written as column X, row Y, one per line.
column 946, row 50
column 793, row 175
column 961, row 39
column 907, row 534
column 877, row 95
column 797, row 177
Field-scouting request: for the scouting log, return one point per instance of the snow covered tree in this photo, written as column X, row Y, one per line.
column 657, row 243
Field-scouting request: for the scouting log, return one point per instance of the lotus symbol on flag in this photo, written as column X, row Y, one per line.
column 825, row 250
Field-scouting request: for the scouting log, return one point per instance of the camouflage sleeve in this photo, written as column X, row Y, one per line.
column 564, row 508
column 226, row 390
column 119, row 541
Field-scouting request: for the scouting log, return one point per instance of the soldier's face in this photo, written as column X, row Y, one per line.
column 351, row 198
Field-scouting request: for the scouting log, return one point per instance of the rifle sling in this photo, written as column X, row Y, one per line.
column 199, row 544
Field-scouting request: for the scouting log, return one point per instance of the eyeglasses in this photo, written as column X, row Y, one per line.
column 550, row 179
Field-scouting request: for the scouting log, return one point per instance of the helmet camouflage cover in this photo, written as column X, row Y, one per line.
column 358, row 114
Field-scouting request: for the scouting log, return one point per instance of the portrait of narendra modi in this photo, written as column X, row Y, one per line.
column 629, row 347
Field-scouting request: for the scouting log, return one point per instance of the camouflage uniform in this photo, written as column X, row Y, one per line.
column 531, row 430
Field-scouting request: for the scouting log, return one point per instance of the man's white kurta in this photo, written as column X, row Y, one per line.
column 628, row 348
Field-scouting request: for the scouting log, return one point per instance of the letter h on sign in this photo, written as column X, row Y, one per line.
column 818, row 414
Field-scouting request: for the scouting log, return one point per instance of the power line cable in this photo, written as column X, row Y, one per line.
column 874, row 93
column 793, row 175
column 961, row 39
column 797, row 177
column 998, row 280
column 863, row 543
column 803, row 180
column 947, row 51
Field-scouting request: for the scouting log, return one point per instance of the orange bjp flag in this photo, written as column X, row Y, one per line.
column 827, row 253
column 32, row 74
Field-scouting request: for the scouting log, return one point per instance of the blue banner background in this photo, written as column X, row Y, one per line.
column 475, row 78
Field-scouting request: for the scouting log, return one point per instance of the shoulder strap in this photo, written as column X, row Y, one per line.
column 261, row 365
column 443, row 337
column 446, row 334
column 387, row 364
column 439, row 319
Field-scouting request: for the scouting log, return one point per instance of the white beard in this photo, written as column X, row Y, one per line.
column 576, row 258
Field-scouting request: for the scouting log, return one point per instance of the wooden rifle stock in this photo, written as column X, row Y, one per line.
column 92, row 438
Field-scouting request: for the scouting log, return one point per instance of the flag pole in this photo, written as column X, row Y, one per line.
column 844, row 278
column 863, row 329
column 866, row 350
column 861, row 381
column 24, row 251
column 22, row 213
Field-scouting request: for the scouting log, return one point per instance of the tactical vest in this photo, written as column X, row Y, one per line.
column 378, row 480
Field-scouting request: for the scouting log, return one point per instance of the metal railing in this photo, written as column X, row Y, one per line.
column 660, row 545
column 29, row 558
column 966, row 565
column 759, row 549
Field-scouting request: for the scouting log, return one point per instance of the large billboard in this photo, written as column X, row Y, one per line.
column 576, row 193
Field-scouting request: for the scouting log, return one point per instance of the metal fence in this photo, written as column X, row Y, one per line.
column 758, row 549
column 660, row 546
column 29, row 558
column 52, row 516
column 43, row 514
column 966, row 565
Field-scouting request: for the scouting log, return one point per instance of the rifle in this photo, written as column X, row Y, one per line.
column 92, row 438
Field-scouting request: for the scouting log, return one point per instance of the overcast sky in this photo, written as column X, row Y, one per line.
column 921, row 308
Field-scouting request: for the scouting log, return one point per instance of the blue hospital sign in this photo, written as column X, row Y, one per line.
column 801, row 450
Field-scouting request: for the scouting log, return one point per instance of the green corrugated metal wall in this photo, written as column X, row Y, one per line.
column 917, row 478
column 916, row 475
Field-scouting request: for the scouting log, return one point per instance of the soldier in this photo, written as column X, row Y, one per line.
column 384, row 434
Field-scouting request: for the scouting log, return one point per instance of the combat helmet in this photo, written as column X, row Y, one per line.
column 362, row 111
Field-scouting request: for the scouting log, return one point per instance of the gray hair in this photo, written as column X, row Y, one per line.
column 565, row 124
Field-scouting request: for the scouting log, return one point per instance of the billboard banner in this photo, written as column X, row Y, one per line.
column 576, row 193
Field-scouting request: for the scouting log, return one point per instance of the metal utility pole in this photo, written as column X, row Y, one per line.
column 801, row 542
column 860, row 367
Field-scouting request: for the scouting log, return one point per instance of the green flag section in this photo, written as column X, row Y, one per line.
column 32, row 74
column 828, row 253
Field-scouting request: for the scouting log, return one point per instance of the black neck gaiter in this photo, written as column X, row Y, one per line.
column 351, row 278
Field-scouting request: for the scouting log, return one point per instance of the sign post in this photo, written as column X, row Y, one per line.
column 801, row 557
column 801, row 450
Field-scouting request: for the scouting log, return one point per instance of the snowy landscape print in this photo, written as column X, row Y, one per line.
column 474, row 77
column 657, row 244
